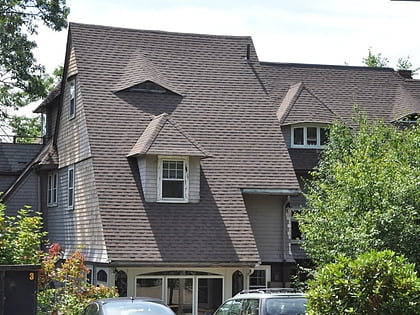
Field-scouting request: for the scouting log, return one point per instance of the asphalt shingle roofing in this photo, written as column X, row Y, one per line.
column 220, row 103
column 381, row 92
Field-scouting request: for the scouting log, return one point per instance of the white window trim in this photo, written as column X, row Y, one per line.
column 185, row 159
column 72, row 96
column 267, row 269
column 305, row 138
column 52, row 189
column 70, row 187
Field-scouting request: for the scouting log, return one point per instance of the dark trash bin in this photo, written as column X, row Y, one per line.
column 18, row 289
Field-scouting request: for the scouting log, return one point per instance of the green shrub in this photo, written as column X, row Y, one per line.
column 373, row 283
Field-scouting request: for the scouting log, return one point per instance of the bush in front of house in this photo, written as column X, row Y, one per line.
column 373, row 283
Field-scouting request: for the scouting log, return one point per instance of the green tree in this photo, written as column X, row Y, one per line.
column 22, row 79
column 375, row 60
column 25, row 129
column 20, row 237
column 404, row 63
column 364, row 193
column 373, row 283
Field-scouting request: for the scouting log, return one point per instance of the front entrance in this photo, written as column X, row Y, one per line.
column 186, row 292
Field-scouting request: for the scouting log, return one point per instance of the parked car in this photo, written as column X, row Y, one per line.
column 127, row 306
column 265, row 302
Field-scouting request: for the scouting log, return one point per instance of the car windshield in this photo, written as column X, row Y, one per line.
column 285, row 306
column 130, row 308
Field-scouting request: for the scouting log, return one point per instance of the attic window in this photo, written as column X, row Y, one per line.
column 148, row 87
column 173, row 179
column 308, row 136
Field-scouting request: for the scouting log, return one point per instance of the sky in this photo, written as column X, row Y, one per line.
column 334, row 32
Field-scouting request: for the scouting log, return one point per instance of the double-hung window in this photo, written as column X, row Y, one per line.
column 72, row 96
column 308, row 136
column 173, row 179
column 70, row 187
column 260, row 277
column 52, row 189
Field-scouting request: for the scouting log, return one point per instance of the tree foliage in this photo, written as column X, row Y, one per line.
column 20, row 237
column 63, row 288
column 365, row 193
column 373, row 283
column 25, row 129
column 375, row 60
column 22, row 79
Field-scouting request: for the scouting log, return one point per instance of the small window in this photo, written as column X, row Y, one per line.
column 52, row 189
column 72, row 96
column 309, row 137
column 70, row 187
column 173, row 179
column 258, row 279
column 102, row 276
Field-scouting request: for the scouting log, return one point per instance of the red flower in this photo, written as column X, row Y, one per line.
column 54, row 249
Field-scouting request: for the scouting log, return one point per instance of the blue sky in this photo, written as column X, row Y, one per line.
column 303, row 31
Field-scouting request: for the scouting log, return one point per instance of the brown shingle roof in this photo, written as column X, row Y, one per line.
column 163, row 136
column 223, row 107
column 380, row 92
column 298, row 102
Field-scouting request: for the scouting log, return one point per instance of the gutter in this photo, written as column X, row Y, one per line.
column 271, row 191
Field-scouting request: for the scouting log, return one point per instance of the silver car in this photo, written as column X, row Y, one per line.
column 265, row 302
column 127, row 306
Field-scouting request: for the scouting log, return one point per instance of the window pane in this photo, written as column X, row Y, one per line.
column 250, row 307
column 149, row 287
column 311, row 135
column 298, row 136
column 180, row 295
column 257, row 279
column 324, row 135
column 209, row 295
column 172, row 189
column 173, row 169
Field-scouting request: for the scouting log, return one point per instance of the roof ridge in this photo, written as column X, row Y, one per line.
column 295, row 89
column 328, row 66
column 130, row 29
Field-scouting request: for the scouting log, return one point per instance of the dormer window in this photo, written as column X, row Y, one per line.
column 173, row 179
column 148, row 87
column 308, row 136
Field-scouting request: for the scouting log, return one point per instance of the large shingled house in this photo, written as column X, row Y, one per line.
column 174, row 160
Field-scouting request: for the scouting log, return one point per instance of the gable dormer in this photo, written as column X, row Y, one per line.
column 169, row 162
column 304, row 118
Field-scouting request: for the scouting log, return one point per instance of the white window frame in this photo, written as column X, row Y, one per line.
column 52, row 189
column 70, row 187
column 184, row 159
column 267, row 270
column 305, row 136
column 72, row 97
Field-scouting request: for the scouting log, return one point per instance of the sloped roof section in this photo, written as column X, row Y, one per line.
column 375, row 91
column 407, row 100
column 301, row 105
column 140, row 69
column 162, row 136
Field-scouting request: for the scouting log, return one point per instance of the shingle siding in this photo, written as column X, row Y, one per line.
column 73, row 141
column 82, row 226
column 26, row 194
